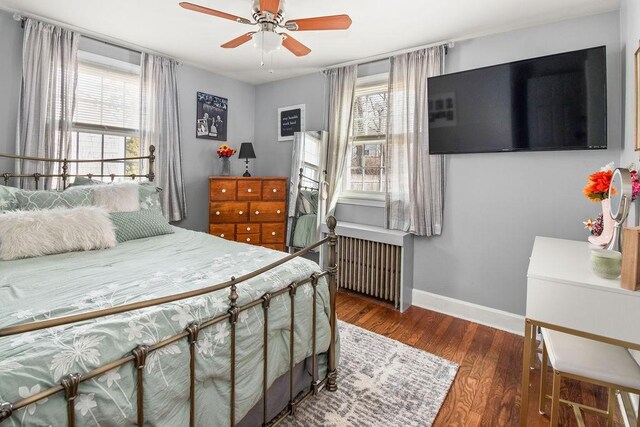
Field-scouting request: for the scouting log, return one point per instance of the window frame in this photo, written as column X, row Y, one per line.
column 363, row 197
column 78, row 128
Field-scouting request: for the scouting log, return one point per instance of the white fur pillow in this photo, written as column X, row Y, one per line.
column 117, row 197
column 26, row 234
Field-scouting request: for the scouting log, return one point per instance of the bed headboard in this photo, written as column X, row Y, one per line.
column 64, row 167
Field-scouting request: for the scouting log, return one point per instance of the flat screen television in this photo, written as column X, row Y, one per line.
column 556, row 102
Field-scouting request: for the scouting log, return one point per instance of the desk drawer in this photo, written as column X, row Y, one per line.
column 249, row 190
column 274, row 189
column 248, row 228
column 226, row 231
column 267, row 212
column 253, row 239
column 273, row 233
column 220, row 213
column 222, row 189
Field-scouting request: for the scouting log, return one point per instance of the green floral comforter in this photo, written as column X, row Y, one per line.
column 57, row 285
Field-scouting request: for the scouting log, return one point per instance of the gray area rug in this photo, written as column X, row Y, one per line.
column 381, row 382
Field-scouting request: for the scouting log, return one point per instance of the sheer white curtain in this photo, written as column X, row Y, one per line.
column 160, row 126
column 342, row 85
column 47, row 98
column 415, row 180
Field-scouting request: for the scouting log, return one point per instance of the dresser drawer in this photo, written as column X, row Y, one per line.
column 274, row 189
column 274, row 246
column 248, row 228
column 267, row 212
column 222, row 189
column 220, row 213
column 273, row 233
column 249, row 189
column 253, row 239
column 226, row 231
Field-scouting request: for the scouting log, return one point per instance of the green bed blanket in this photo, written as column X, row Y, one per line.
column 57, row 285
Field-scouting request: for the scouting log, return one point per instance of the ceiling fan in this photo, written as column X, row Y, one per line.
column 268, row 15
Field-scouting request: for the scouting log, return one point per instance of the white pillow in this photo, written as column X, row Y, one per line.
column 26, row 234
column 117, row 197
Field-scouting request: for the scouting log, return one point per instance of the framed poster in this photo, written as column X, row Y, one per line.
column 636, row 62
column 211, row 117
column 290, row 120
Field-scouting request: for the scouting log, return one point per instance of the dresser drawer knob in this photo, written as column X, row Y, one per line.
column 257, row 212
column 275, row 190
column 278, row 211
column 248, row 190
column 240, row 213
column 224, row 190
column 273, row 233
column 248, row 228
column 248, row 239
column 222, row 235
column 217, row 212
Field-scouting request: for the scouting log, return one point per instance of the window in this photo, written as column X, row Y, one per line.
column 106, row 122
column 365, row 177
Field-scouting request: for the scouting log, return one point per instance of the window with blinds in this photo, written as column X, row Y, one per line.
column 107, row 116
column 368, row 135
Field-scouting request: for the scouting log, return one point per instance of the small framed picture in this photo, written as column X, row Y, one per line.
column 290, row 120
column 636, row 61
column 211, row 120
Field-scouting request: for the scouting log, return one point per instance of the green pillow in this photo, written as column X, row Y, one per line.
column 8, row 200
column 149, row 193
column 139, row 224
column 50, row 199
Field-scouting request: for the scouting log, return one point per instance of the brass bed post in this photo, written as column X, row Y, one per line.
column 70, row 384
column 332, row 269
column 233, row 319
column 65, row 176
column 314, row 357
column 266, row 302
column 152, row 160
column 140, row 354
column 193, row 331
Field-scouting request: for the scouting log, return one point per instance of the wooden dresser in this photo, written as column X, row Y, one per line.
column 250, row 210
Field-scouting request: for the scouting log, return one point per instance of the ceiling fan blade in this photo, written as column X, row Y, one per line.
column 297, row 48
column 334, row 22
column 238, row 40
column 213, row 12
column 270, row 6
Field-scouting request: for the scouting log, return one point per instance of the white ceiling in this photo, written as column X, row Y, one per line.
column 378, row 27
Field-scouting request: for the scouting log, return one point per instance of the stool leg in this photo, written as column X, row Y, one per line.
column 543, row 379
column 611, row 407
column 555, row 399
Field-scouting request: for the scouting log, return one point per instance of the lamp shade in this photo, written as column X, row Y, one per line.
column 246, row 151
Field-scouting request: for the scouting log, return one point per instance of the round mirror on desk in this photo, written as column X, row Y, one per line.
column 620, row 192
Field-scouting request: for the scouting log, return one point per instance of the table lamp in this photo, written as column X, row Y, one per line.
column 246, row 153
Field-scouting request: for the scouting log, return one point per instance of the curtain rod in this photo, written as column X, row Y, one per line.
column 370, row 59
column 101, row 38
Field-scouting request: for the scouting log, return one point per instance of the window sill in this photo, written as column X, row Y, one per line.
column 359, row 199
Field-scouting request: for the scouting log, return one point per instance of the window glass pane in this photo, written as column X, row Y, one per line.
column 370, row 115
column 89, row 146
column 114, row 147
column 132, row 150
column 355, row 179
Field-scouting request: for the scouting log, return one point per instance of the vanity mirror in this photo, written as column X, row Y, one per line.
column 620, row 192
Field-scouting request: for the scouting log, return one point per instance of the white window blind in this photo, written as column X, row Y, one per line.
column 107, row 98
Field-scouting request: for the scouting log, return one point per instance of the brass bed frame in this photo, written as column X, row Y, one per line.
column 70, row 384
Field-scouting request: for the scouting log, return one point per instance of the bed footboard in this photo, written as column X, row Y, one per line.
column 139, row 355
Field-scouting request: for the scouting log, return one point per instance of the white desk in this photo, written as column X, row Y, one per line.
column 564, row 294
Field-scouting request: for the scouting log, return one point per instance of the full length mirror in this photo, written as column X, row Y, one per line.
column 306, row 204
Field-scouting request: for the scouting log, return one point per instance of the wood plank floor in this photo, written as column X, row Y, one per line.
column 486, row 390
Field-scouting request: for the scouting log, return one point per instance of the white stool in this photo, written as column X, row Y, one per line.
column 590, row 361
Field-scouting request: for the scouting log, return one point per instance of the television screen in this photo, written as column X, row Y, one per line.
column 555, row 102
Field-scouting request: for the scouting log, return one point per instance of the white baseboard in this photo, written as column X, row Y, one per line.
column 468, row 311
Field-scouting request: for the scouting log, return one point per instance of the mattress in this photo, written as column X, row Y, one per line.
column 57, row 285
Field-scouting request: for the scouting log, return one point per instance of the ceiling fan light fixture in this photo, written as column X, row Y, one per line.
column 267, row 41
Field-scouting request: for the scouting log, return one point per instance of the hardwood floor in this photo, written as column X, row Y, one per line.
column 486, row 391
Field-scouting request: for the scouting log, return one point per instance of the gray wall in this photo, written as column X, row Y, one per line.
column 199, row 160
column 10, row 80
column 495, row 203
column 198, row 155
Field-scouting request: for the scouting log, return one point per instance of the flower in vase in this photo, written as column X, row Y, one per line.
column 225, row 151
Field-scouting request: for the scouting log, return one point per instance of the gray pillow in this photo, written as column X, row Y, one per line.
column 149, row 193
column 51, row 199
column 139, row 224
column 8, row 200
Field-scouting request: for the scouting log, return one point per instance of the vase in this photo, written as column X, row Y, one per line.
column 607, row 226
column 225, row 169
